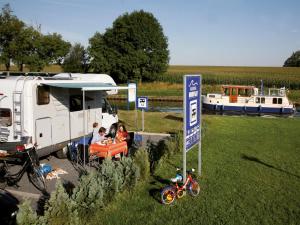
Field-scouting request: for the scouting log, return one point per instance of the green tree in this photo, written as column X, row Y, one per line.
column 27, row 46
column 99, row 52
column 54, row 48
column 45, row 50
column 134, row 48
column 293, row 60
column 76, row 60
column 10, row 29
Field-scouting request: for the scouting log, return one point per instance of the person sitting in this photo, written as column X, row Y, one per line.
column 122, row 134
column 100, row 136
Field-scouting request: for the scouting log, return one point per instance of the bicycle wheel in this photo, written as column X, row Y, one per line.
column 168, row 195
column 37, row 179
column 193, row 188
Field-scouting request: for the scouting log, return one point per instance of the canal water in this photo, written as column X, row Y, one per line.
column 163, row 106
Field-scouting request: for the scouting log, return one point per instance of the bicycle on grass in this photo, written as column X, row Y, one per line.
column 30, row 164
column 171, row 192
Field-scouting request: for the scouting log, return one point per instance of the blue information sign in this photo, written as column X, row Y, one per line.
column 192, row 113
column 142, row 103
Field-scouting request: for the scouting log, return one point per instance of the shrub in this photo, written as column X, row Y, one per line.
column 174, row 144
column 88, row 195
column 94, row 191
column 26, row 214
column 131, row 172
column 141, row 159
column 60, row 209
column 156, row 153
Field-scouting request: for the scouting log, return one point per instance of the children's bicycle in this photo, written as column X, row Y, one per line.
column 171, row 192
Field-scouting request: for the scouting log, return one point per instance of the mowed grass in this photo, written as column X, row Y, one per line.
column 251, row 175
column 155, row 122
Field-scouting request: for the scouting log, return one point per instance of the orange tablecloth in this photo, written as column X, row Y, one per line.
column 111, row 150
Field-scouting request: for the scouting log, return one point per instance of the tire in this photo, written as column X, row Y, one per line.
column 168, row 195
column 37, row 179
column 193, row 188
column 62, row 153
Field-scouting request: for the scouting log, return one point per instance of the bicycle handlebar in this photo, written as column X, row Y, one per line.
column 192, row 170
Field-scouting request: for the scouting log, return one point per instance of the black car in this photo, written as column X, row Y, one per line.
column 8, row 208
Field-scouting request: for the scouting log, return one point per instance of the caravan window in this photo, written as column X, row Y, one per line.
column 43, row 95
column 76, row 102
column 5, row 117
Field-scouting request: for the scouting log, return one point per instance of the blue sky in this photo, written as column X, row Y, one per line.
column 203, row 32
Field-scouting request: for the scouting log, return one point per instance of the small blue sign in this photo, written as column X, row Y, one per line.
column 192, row 110
column 142, row 103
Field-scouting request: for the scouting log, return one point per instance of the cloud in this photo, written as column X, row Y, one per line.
column 295, row 30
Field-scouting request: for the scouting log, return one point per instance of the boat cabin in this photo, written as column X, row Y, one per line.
column 234, row 91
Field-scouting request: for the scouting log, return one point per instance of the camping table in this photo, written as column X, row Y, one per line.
column 110, row 150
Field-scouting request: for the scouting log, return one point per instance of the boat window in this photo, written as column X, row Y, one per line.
column 211, row 96
column 242, row 92
column 43, row 95
column 233, row 91
column 5, row 117
column 274, row 100
column 257, row 100
column 262, row 100
column 248, row 92
column 226, row 91
column 279, row 100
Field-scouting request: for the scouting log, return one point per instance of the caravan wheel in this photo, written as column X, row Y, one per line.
column 62, row 153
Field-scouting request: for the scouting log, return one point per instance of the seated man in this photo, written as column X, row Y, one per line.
column 100, row 136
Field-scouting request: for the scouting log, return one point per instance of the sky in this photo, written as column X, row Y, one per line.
column 200, row 32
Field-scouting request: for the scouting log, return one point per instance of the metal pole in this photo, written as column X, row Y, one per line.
column 136, row 112
column 143, row 125
column 200, row 132
column 184, row 130
column 127, row 97
column 84, row 125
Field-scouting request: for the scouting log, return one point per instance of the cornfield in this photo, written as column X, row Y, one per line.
column 271, row 76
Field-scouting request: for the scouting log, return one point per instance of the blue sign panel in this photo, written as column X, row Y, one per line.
column 142, row 103
column 192, row 111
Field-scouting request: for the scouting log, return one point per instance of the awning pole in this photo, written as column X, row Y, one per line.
column 84, row 125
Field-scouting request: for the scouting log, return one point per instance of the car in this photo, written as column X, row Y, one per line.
column 8, row 207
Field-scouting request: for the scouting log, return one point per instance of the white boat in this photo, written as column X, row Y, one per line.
column 247, row 99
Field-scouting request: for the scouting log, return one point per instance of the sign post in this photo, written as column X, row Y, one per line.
column 192, row 117
column 132, row 90
column 142, row 103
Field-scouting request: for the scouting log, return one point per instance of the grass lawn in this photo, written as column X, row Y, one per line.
column 251, row 175
column 154, row 121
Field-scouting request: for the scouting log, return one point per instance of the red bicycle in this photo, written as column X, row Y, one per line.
column 171, row 192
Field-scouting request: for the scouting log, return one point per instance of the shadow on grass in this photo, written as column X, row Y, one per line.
column 176, row 118
column 155, row 194
column 155, row 191
column 254, row 159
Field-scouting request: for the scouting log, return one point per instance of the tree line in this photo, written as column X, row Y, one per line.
column 134, row 48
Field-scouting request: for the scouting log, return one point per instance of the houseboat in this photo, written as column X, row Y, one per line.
column 248, row 99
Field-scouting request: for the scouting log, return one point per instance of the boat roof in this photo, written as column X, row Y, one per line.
column 238, row 86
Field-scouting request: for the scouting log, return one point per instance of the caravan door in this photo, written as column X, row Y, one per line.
column 43, row 132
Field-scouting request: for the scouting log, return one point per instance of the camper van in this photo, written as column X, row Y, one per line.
column 51, row 112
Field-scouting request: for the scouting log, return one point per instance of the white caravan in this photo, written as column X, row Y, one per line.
column 51, row 112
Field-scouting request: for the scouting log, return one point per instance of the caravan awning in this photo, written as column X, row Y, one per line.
column 84, row 86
